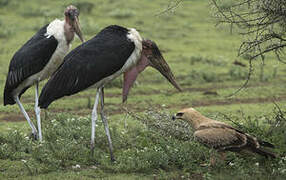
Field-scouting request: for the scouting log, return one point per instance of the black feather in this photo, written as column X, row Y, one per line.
column 92, row 61
column 266, row 144
column 30, row 59
column 265, row 153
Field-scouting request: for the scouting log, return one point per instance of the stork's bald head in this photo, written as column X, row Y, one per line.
column 71, row 12
column 190, row 115
column 71, row 18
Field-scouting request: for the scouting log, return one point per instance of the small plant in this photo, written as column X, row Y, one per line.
column 206, row 60
column 84, row 7
column 246, row 56
column 210, row 77
column 203, row 76
column 121, row 14
column 6, row 32
column 40, row 12
column 278, row 125
column 226, row 4
column 162, row 123
column 238, row 73
column 89, row 27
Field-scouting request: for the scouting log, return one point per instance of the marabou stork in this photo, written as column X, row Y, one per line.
column 38, row 59
column 113, row 51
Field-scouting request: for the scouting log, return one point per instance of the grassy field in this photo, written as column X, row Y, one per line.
column 148, row 145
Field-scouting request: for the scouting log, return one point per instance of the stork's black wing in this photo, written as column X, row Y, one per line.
column 30, row 59
column 87, row 64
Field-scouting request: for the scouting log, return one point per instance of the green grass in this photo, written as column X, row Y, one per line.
column 201, row 56
column 151, row 144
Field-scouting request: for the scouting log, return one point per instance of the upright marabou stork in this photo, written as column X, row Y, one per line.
column 113, row 51
column 38, row 59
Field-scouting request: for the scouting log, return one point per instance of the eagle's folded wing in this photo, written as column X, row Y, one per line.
column 220, row 136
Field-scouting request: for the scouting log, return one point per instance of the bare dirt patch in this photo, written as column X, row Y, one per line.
column 237, row 101
column 13, row 117
column 173, row 91
column 83, row 111
column 186, row 88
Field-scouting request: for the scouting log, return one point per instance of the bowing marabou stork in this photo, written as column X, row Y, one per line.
column 38, row 58
column 113, row 51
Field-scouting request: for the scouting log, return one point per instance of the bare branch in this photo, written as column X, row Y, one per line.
column 262, row 21
column 171, row 7
column 250, row 70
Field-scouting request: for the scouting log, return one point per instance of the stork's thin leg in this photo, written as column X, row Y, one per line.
column 34, row 130
column 104, row 120
column 93, row 120
column 38, row 111
column 125, row 122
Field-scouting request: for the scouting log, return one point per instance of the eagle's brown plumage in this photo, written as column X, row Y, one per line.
column 221, row 136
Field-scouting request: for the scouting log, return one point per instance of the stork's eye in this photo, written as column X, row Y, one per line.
column 180, row 114
column 75, row 13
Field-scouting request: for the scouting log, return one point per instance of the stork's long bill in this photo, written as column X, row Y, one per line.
column 71, row 14
column 77, row 29
column 150, row 56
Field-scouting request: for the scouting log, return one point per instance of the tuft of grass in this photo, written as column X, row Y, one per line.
column 122, row 13
column 4, row 3
column 238, row 73
column 84, row 7
column 40, row 12
column 90, row 28
column 32, row 13
column 203, row 76
column 206, row 60
column 5, row 31
column 226, row 4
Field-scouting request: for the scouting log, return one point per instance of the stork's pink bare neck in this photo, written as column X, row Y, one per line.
column 69, row 31
column 131, row 75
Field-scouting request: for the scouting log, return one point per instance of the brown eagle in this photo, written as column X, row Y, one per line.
column 221, row 136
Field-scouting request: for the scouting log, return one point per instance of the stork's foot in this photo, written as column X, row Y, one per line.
column 34, row 136
column 112, row 159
